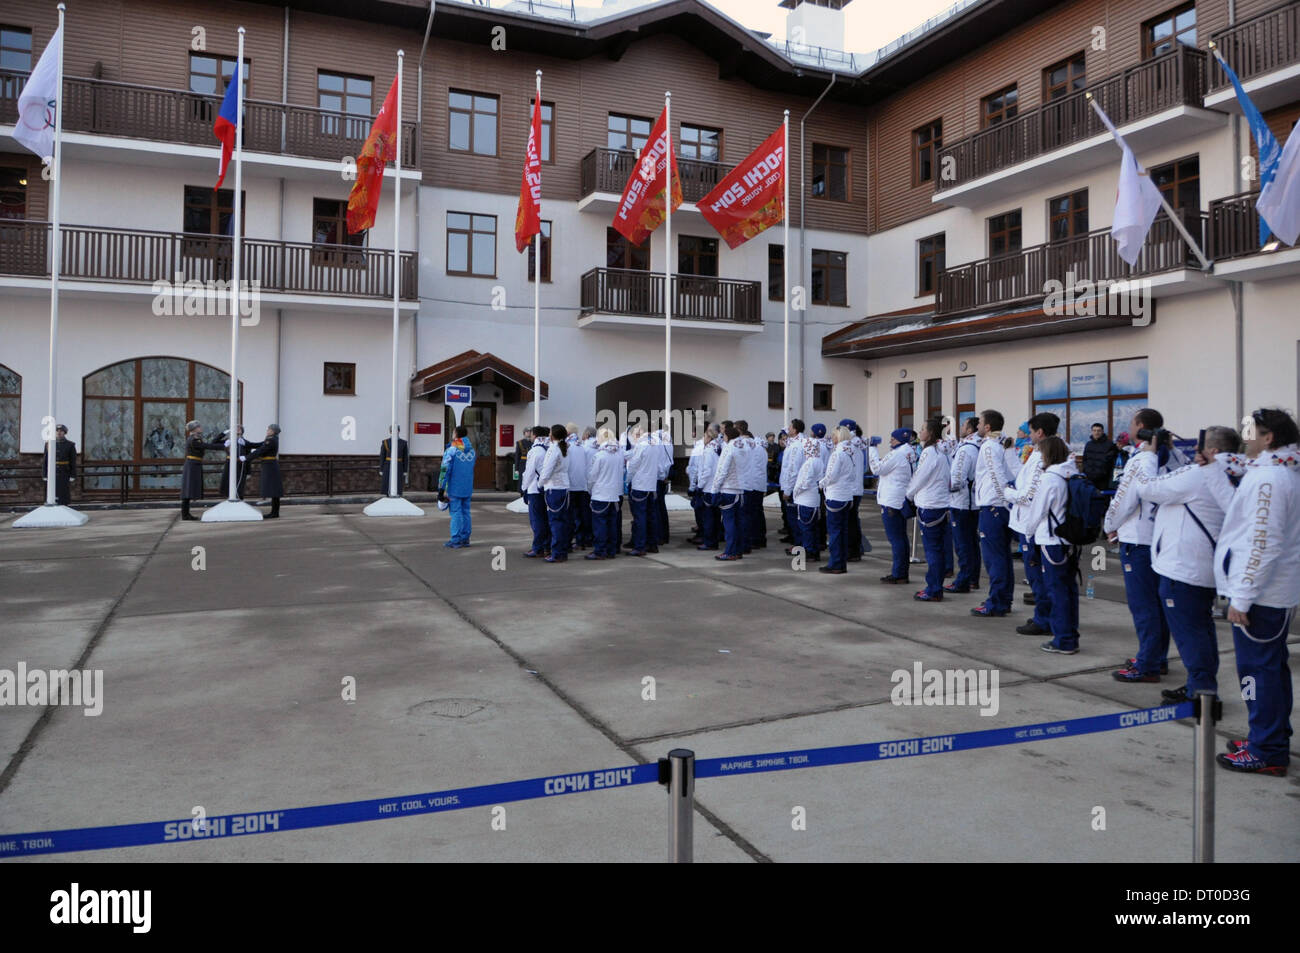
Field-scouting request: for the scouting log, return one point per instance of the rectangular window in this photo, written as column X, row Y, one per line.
column 1104, row 392
column 620, row 253
column 545, row 241
column 830, row 277
column 926, row 143
column 208, row 213
column 965, row 403
column 697, row 256
column 548, row 129
column 775, row 272
column 341, row 379
column 471, row 244
column 349, row 101
column 775, row 395
column 999, row 107
column 329, row 227
column 822, row 397
column 1004, row 234
column 700, row 142
column 13, row 193
column 15, row 60
column 906, row 404
column 934, row 397
column 929, row 262
column 209, row 76
column 627, row 132
column 830, row 173
column 472, row 122
column 1067, row 216
column 1063, row 78
column 1162, row 34
column 1180, row 183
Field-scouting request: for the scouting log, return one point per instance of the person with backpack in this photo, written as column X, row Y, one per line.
column 1189, row 516
column 1130, row 520
column 1039, row 427
column 1048, row 511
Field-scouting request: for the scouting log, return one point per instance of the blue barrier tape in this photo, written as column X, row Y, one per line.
column 352, row 812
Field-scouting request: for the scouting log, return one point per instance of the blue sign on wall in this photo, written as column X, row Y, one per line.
column 458, row 394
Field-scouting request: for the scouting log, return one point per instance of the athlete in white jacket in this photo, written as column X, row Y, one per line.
column 894, row 473
column 963, row 514
column 928, row 489
column 1045, row 512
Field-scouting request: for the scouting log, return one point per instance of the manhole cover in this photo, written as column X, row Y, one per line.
column 448, row 707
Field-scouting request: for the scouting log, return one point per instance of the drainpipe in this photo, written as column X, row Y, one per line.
column 803, row 256
column 419, row 127
column 1236, row 288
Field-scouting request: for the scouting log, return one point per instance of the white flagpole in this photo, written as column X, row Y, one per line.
column 1164, row 202
column 668, row 263
column 394, row 504
column 537, row 291
column 785, row 272
column 233, row 509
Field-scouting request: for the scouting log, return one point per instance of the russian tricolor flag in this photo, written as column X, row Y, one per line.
column 226, row 124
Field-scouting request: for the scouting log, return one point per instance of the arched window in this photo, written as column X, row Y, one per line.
column 135, row 413
column 11, row 405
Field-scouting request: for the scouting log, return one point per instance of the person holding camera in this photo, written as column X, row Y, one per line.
column 1257, row 566
column 1190, row 502
column 1129, row 519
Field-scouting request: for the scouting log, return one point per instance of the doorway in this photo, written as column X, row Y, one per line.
column 480, row 419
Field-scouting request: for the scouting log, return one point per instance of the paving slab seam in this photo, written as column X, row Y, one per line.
column 724, row 828
column 313, row 605
column 33, row 735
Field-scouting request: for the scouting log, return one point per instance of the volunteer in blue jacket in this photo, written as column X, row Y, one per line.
column 1257, row 566
column 458, row 484
column 893, row 474
column 928, row 490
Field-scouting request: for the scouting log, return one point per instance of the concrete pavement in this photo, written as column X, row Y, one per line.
column 222, row 690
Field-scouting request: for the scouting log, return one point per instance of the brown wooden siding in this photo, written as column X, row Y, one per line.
column 953, row 93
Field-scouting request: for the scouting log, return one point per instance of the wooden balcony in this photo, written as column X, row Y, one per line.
column 630, row 293
column 607, row 170
column 135, row 256
column 1262, row 44
column 175, row 115
column 1175, row 79
column 1233, row 226
column 1022, row 276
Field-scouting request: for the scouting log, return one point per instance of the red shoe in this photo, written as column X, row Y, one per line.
column 1246, row 762
column 1133, row 674
column 924, row 596
column 1132, row 662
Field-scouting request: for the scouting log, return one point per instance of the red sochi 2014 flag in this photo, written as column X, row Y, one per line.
column 752, row 196
column 528, row 220
column 379, row 149
column 641, row 210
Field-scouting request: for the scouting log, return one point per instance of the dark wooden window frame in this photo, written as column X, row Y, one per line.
column 1171, row 189
column 683, row 143
column 1069, row 216
column 960, row 411
column 1076, row 72
column 1150, row 44
column 935, row 255
column 827, row 165
column 471, row 112
column 991, row 115
column 935, row 385
column 629, row 137
column 828, row 267
column 470, row 232
column 829, row 402
column 902, row 409
column 775, row 260
column 775, row 388
column 614, row 239
column 545, row 241
column 548, row 129
column 331, row 257
column 1007, row 230
column 704, row 252
column 342, row 121
column 926, row 143
column 350, row 391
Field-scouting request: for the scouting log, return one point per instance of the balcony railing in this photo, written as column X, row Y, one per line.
column 1233, row 226
column 631, row 292
column 1023, row 275
column 177, row 115
column 1259, row 45
column 1174, row 79
column 92, row 253
column 607, row 170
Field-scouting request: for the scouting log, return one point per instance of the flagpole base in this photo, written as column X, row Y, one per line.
column 517, row 506
column 232, row 511
column 51, row 516
column 393, row 506
column 674, row 501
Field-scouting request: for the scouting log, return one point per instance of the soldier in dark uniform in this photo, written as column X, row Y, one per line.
column 245, row 446
column 267, row 453
column 192, row 475
column 65, row 465
column 386, row 464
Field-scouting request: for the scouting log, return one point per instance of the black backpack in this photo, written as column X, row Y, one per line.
column 1084, row 510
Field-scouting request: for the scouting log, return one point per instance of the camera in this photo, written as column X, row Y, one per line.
column 1160, row 437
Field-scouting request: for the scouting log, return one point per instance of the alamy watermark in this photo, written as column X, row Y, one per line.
column 684, row 426
column 39, row 687
column 933, row 686
column 211, row 297
column 1104, row 298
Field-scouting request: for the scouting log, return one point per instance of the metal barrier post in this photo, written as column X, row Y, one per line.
column 913, row 558
column 677, row 773
column 1208, row 711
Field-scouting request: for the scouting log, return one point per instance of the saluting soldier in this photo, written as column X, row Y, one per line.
column 386, row 463
column 192, row 475
column 65, row 465
column 267, row 453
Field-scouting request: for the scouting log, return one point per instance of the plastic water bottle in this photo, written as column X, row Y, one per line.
column 1091, row 591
